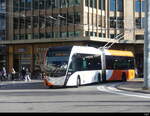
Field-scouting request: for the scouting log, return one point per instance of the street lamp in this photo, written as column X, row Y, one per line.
column 147, row 46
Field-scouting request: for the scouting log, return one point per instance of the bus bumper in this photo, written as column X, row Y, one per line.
column 50, row 81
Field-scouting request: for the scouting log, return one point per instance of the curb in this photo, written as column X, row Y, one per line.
column 19, row 84
column 138, row 90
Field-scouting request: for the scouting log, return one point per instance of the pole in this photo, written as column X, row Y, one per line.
column 147, row 46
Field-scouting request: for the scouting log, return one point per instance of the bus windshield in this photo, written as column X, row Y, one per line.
column 57, row 61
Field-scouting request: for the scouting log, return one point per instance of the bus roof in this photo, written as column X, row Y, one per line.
column 86, row 50
column 120, row 53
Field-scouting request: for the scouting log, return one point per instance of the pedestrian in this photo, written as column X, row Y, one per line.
column 1, row 75
column 23, row 73
column 13, row 73
column 27, row 76
column 4, row 74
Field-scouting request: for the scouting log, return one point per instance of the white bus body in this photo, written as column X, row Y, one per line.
column 77, row 77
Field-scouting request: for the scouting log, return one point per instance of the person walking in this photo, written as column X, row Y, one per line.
column 23, row 73
column 4, row 73
column 27, row 76
column 1, row 75
column 13, row 73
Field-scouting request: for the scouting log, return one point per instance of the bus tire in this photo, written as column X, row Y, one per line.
column 78, row 82
column 124, row 77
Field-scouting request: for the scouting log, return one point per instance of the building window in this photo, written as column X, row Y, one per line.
column 112, row 36
column 70, row 18
column 35, row 4
column 42, row 21
column 112, row 22
column 35, row 35
column 49, row 4
column 95, row 3
column 56, row 34
column 63, row 34
column 2, row 22
column 140, row 22
column 22, row 5
column 91, row 34
column 16, row 37
column 138, row 5
column 102, row 4
column 16, row 23
column 119, row 5
column 71, row 34
column 22, row 37
column 22, row 23
column 116, row 5
column 29, row 36
column 116, row 22
column 28, row 23
column 143, row 6
column 139, row 37
column 86, row 2
column 42, row 4
column 15, row 5
column 2, row 35
column 77, row 33
column 91, row 3
column 35, row 21
column 77, row 2
column 41, row 35
column 2, row 6
column 112, row 4
column 49, row 35
column 28, row 4
column 120, row 22
column 64, row 3
column 87, row 33
column 77, row 18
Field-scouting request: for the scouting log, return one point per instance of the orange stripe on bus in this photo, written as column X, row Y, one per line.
column 46, row 83
column 117, row 74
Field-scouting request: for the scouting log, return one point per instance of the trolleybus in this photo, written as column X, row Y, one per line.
column 80, row 65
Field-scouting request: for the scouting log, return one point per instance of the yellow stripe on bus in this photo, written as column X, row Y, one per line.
column 120, row 53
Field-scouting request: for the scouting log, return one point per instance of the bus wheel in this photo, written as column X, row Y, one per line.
column 124, row 78
column 50, row 87
column 78, row 82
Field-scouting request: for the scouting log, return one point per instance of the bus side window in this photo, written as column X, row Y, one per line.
column 84, row 64
column 110, row 62
column 70, row 68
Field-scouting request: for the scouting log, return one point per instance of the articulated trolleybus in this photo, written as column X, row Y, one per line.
column 80, row 65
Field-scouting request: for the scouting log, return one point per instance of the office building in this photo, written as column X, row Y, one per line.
column 34, row 25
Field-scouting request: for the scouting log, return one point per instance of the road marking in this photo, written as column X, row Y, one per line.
column 110, row 88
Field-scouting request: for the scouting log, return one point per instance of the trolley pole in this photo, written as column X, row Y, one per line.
column 147, row 46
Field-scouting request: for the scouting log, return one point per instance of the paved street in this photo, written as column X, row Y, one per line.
column 33, row 97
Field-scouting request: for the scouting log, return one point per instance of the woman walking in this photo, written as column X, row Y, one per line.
column 27, row 76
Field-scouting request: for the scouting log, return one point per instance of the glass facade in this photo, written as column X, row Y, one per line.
column 2, row 33
column 2, row 19
column 20, row 5
column 46, row 23
column 50, row 19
